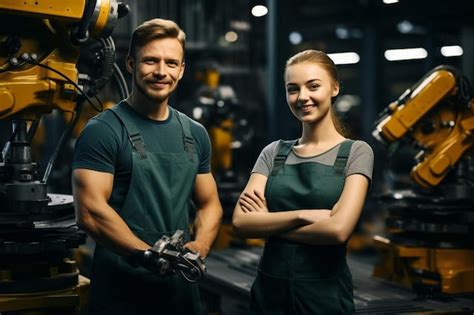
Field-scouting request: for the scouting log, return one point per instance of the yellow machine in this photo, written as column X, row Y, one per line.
column 217, row 107
column 39, row 54
column 430, row 241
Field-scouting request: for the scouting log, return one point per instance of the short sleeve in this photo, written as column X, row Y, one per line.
column 361, row 160
column 264, row 163
column 204, row 148
column 96, row 148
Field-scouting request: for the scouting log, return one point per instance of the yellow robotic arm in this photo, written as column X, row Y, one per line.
column 40, row 49
column 40, row 45
column 438, row 114
column 39, row 53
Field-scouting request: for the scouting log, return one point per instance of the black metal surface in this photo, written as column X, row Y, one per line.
column 429, row 219
column 230, row 273
column 54, row 232
column 34, row 248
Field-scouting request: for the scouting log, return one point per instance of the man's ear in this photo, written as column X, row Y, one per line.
column 183, row 66
column 130, row 63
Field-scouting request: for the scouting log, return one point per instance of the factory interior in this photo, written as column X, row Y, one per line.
column 406, row 70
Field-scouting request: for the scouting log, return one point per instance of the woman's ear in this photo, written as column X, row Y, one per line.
column 335, row 90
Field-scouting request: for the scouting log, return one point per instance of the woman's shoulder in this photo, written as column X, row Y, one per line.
column 361, row 145
column 361, row 150
column 271, row 147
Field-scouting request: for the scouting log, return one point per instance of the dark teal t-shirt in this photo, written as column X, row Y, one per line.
column 104, row 146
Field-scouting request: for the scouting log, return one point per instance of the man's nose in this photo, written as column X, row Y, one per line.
column 159, row 69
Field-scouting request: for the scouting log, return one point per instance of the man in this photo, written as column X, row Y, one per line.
column 136, row 169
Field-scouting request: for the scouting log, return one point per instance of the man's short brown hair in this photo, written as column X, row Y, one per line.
column 155, row 29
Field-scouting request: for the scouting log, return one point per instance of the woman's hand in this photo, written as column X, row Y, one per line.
column 253, row 202
column 312, row 216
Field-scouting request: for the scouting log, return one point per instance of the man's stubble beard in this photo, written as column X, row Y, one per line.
column 150, row 97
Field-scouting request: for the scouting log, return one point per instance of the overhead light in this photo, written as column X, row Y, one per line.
column 405, row 27
column 390, row 1
column 345, row 103
column 405, row 54
column 452, row 51
column 345, row 58
column 240, row 25
column 342, row 32
column 197, row 113
column 295, row 38
column 259, row 10
column 231, row 36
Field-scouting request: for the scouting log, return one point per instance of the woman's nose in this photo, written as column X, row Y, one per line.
column 303, row 95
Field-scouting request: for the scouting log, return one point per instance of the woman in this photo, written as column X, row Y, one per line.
column 305, row 197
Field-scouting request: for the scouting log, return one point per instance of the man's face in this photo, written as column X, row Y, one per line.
column 157, row 68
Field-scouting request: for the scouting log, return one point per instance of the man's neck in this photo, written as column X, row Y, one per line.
column 147, row 108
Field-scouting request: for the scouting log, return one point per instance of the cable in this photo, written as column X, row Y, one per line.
column 122, row 83
column 28, row 60
column 60, row 145
column 11, row 67
column 118, row 75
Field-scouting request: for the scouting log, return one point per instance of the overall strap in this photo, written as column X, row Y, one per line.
column 284, row 148
column 188, row 140
column 342, row 155
column 132, row 131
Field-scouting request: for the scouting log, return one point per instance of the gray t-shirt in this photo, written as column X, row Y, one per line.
column 360, row 160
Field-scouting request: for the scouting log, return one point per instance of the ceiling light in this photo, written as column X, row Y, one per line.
column 344, row 58
column 295, row 38
column 390, row 1
column 342, row 32
column 231, row 36
column 259, row 10
column 405, row 27
column 405, row 54
column 240, row 25
column 452, row 51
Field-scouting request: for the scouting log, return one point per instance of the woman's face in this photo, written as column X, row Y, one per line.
column 309, row 89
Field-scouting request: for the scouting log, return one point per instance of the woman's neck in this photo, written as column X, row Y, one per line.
column 322, row 132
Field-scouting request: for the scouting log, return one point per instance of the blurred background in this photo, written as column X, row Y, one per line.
column 412, row 250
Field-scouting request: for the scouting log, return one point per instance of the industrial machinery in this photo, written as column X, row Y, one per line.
column 216, row 106
column 40, row 51
column 429, row 244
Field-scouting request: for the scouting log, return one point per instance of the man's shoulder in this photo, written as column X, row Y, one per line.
column 103, row 125
column 197, row 129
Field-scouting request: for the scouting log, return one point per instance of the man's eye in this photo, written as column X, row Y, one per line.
column 149, row 62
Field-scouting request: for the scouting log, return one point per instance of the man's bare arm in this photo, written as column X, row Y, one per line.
column 208, row 214
column 91, row 191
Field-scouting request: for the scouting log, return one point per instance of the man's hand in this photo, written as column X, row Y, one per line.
column 198, row 247
column 150, row 260
column 253, row 202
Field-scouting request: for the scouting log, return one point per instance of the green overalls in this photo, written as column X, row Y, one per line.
column 157, row 203
column 295, row 278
